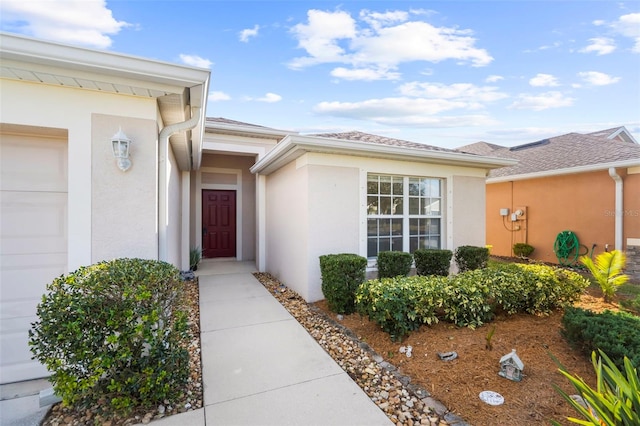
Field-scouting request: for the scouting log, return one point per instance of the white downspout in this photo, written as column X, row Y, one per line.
column 163, row 188
column 619, row 212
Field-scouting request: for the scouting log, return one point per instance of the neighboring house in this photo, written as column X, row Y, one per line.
column 64, row 202
column 585, row 183
column 237, row 190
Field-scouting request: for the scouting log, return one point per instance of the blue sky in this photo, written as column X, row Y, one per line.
column 446, row 73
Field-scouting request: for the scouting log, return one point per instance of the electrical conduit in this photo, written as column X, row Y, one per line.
column 163, row 187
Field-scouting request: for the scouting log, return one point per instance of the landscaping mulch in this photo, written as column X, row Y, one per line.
column 458, row 383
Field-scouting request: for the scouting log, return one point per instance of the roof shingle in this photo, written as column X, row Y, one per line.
column 560, row 152
column 381, row 140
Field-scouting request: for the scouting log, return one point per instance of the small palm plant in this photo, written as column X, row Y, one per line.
column 614, row 402
column 607, row 271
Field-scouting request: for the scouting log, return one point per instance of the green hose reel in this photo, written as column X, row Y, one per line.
column 567, row 248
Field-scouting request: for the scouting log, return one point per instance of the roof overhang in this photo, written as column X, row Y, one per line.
column 176, row 88
column 634, row 162
column 246, row 131
column 294, row 146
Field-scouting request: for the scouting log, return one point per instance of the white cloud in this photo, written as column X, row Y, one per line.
column 84, row 22
column 629, row 26
column 364, row 74
column 542, row 101
column 320, row 36
column 596, row 78
column 246, row 34
column 544, row 80
column 600, row 45
column 403, row 111
column 195, row 61
column 472, row 96
column 378, row 20
column 380, row 41
column 270, row 98
column 493, row 78
column 216, row 96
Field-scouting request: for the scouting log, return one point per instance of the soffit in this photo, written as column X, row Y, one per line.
column 174, row 87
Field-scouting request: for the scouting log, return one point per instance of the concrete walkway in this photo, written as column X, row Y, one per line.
column 259, row 365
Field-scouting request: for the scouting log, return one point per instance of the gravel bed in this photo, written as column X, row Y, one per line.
column 392, row 392
column 191, row 396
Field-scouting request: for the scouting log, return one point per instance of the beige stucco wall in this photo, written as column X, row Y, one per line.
column 317, row 205
column 467, row 215
column 34, row 104
column 333, row 218
column 123, row 203
column 287, row 220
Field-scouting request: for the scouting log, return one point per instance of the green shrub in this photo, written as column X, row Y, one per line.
column 470, row 299
column 632, row 305
column 522, row 249
column 615, row 333
column 535, row 289
column 341, row 276
column 466, row 299
column 114, row 332
column 616, row 399
column 432, row 262
column 390, row 303
column 469, row 258
column 393, row 264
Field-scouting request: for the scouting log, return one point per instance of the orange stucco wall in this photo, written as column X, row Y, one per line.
column 582, row 203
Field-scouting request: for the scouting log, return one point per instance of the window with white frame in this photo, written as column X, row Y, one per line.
column 403, row 213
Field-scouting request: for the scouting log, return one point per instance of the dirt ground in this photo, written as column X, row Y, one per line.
column 458, row 383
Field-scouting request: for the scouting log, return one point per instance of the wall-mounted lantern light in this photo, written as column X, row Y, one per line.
column 120, row 144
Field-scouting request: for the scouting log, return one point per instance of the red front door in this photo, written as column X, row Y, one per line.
column 218, row 223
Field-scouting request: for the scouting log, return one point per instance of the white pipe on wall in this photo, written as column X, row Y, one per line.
column 619, row 212
column 163, row 187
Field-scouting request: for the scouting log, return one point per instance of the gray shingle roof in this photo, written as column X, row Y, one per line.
column 223, row 120
column 480, row 148
column 381, row 140
column 560, row 152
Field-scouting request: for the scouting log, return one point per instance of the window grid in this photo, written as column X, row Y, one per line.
column 391, row 226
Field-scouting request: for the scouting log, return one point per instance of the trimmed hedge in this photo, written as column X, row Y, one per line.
column 522, row 249
column 114, row 332
column 469, row 258
column 615, row 333
column 432, row 262
column 341, row 276
column 394, row 264
column 470, row 299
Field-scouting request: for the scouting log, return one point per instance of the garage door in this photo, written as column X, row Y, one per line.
column 33, row 241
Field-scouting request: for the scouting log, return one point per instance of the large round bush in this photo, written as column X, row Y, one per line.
column 114, row 333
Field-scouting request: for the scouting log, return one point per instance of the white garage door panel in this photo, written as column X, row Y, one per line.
column 25, row 229
column 33, row 242
column 32, row 164
column 34, row 222
column 23, row 279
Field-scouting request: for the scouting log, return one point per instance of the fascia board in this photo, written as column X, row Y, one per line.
column 79, row 59
column 567, row 171
column 293, row 146
column 243, row 130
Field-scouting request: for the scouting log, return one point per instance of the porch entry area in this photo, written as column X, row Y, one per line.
column 218, row 223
